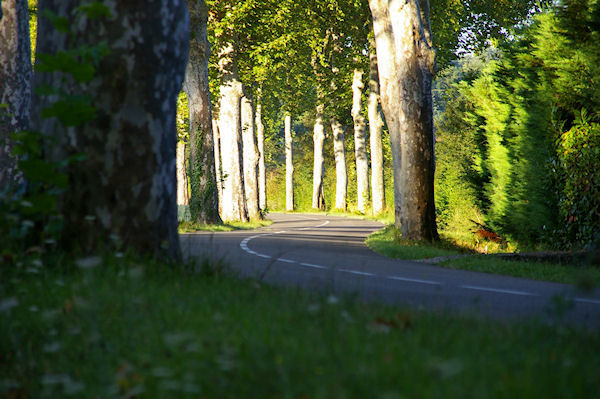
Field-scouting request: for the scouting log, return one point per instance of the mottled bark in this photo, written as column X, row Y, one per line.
column 341, row 173
column 318, row 199
column 262, row 173
column 406, row 64
column 375, row 128
column 204, row 202
column 15, row 82
column 123, row 194
column 289, row 165
column 360, row 143
column 230, row 127
column 183, row 195
column 250, row 154
column 218, row 171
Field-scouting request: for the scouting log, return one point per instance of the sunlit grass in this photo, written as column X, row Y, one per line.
column 387, row 243
column 142, row 329
column 190, row 227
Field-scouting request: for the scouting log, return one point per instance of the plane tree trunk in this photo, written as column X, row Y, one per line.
column 406, row 66
column 15, row 81
column 360, row 143
column 375, row 128
column 204, row 204
column 260, row 137
column 289, row 165
column 230, row 125
column 218, row 171
column 341, row 172
column 318, row 198
column 250, row 150
column 123, row 194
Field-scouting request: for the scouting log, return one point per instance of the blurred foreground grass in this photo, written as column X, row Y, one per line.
column 130, row 329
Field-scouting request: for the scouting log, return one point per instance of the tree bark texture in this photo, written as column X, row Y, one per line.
column 183, row 195
column 262, row 173
column 341, row 172
column 375, row 129
column 406, row 65
column 250, row 154
column 360, row 143
column 218, row 170
column 318, row 198
column 204, row 201
column 15, row 82
column 123, row 194
column 230, row 128
column 289, row 165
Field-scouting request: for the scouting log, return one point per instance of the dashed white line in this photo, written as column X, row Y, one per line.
column 498, row 290
column 357, row 272
column 585, row 300
column 413, row 280
column 314, row 266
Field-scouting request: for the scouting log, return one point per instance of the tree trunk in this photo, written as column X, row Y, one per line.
column 250, row 159
column 218, row 169
column 204, row 203
column 230, row 125
column 262, row 174
column 289, row 165
column 123, row 194
column 375, row 128
column 360, row 143
column 406, row 65
column 15, row 78
column 318, row 199
column 341, row 173
column 183, row 197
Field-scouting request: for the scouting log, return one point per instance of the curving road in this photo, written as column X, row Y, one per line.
column 328, row 253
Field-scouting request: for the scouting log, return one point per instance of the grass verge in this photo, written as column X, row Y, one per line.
column 190, row 227
column 131, row 329
column 385, row 242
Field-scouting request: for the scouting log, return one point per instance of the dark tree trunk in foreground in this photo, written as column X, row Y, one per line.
column 406, row 64
column 204, row 203
column 15, row 81
column 123, row 194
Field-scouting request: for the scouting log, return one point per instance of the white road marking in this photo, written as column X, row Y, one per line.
column 498, row 290
column 585, row 300
column 314, row 266
column 357, row 272
column 285, row 260
column 413, row 280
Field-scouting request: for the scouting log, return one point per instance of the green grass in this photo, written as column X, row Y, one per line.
column 385, row 242
column 190, row 227
column 130, row 330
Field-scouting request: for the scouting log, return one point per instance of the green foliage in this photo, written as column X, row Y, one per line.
column 128, row 327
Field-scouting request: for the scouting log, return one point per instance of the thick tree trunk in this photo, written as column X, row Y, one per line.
column 15, row 82
column 230, row 126
column 375, row 128
column 250, row 159
column 406, row 63
column 360, row 143
column 318, row 198
column 218, row 170
column 262, row 173
column 204, row 203
column 123, row 194
column 289, row 165
column 183, row 196
column 341, row 173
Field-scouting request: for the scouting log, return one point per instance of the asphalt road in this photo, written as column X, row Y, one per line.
column 328, row 253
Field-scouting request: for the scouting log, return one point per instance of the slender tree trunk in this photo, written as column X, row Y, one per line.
column 230, row 126
column 289, row 165
column 341, row 172
column 262, row 174
column 360, row 143
column 250, row 150
column 318, row 199
column 218, row 169
column 204, row 203
column 406, row 65
column 123, row 194
column 375, row 128
column 183, row 196
column 15, row 82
